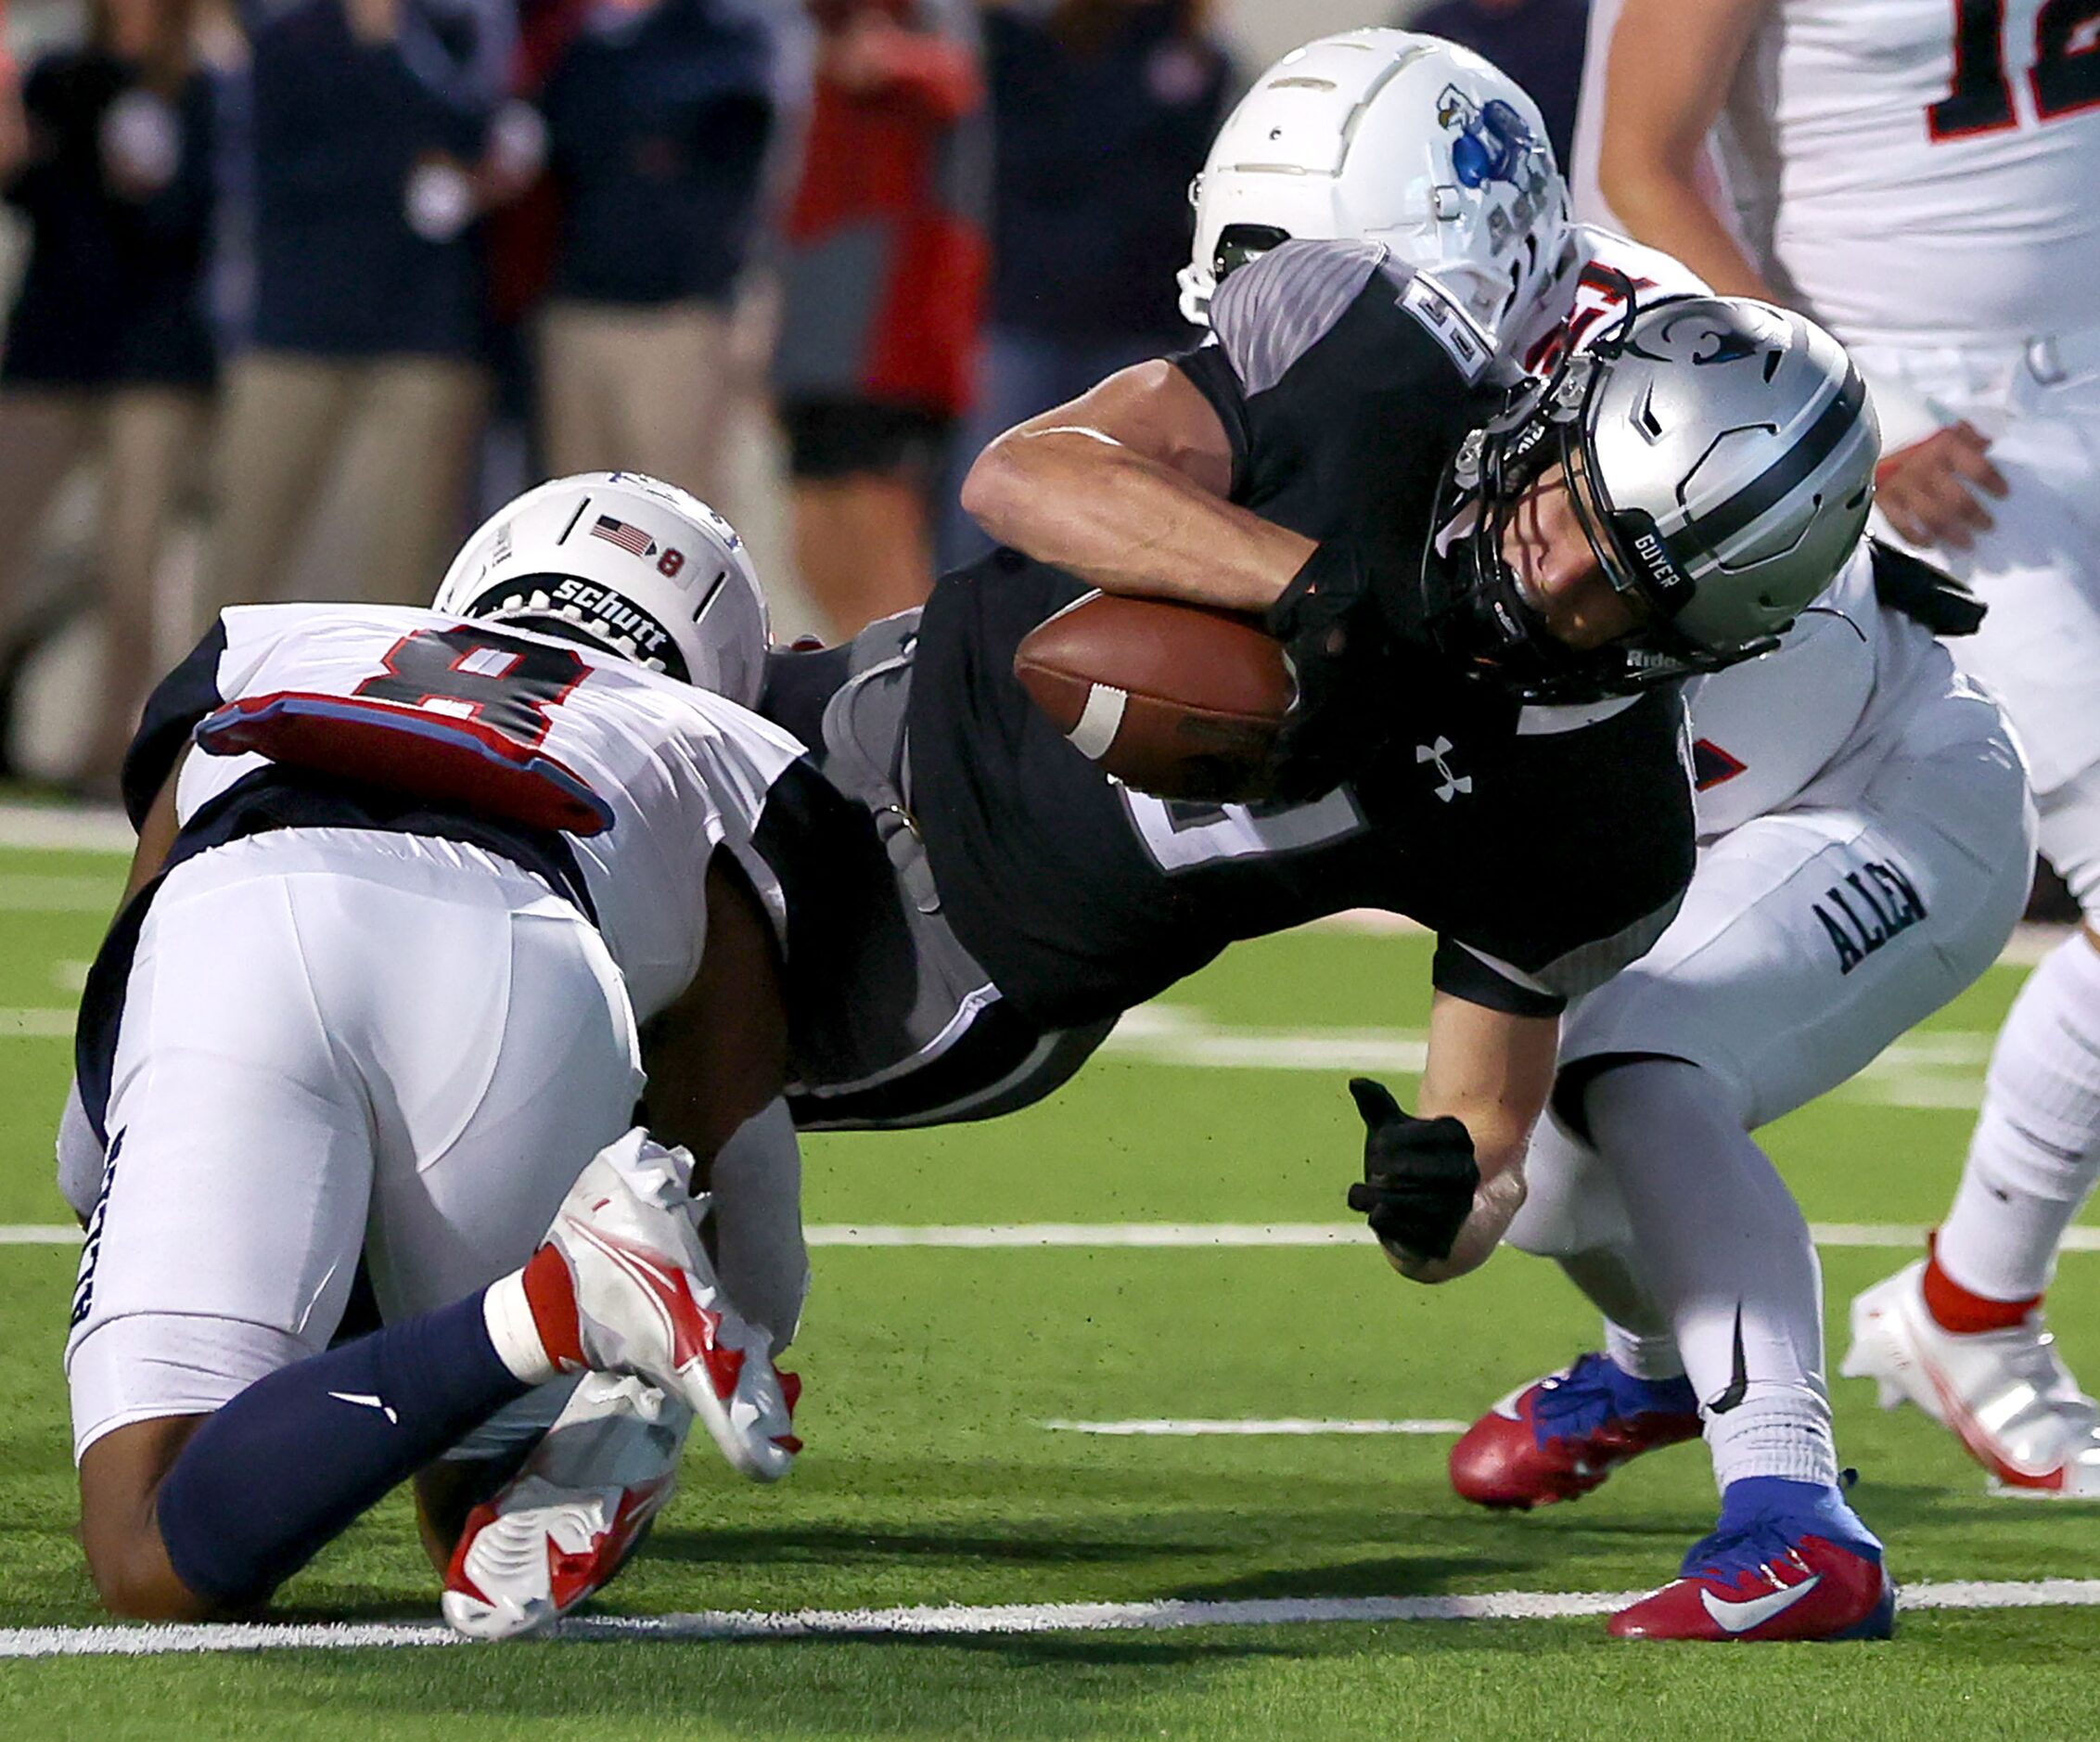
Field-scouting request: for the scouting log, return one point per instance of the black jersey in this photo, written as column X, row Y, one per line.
column 1546, row 846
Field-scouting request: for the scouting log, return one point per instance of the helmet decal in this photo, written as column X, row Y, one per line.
column 627, row 563
column 1493, row 141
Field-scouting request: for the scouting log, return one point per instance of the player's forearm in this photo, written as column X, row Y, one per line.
column 1666, row 209
column 1492, row 1071
column 1671, row 65
column 1496, row 1205
column 1126, row 523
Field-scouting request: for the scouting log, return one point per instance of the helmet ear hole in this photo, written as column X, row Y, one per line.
column 1395, row 137
column 1239, row 243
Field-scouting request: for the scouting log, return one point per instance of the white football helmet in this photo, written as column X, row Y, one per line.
column 1394, row 137
column 627, row 563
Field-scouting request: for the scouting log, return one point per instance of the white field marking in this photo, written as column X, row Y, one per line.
column 1196, row 1428
column 37, row 892
column 1891, row 1235
column 37, row 1023
column 70, row 977
column 1936, row 1070
column 1097, row 1234
column 70, row 828
column 965, row 1621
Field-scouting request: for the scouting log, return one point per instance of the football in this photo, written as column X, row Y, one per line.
column 1179, row 700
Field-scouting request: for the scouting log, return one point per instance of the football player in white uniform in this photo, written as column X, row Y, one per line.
column 1919, row 175
column 408, row 884
column 1862, row 815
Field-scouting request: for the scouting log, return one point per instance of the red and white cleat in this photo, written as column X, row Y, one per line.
column 2006, row 1394
column 1559, row 1437
column 622, row 1286
column 1788, row 1560
column 567, row 1521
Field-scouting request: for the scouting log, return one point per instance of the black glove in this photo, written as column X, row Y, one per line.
column 1419, row 1175
column 1341, row 651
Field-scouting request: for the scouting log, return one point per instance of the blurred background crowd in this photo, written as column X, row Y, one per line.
column 302, row 288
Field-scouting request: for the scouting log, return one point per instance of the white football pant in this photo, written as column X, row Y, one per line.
column 335, row 1043
column 1808, row 941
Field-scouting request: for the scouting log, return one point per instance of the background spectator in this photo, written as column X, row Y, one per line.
column 658, row 115
column 882, row 281
column 1538, row 43
column 1102, row 113
column 371, row 127
column 107, row 343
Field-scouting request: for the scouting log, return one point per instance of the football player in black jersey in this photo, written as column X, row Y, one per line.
column 1485, row 610
column 1487, row 603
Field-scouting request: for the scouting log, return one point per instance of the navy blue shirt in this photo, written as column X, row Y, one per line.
column 111, row 293
column 1539, row 44
column 657, row 135
column 1096, row 151
column 338, row 128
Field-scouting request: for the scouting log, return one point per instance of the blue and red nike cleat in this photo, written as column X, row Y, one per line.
column 1788, row 1560
column 1559, row 1437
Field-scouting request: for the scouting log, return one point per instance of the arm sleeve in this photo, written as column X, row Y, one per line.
column 1481, row 979
column 1207, row 368
column 1345, row 383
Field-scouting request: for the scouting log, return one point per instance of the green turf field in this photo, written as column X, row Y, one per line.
column 931, row 1480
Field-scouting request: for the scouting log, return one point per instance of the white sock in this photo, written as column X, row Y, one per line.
column 2036, row 1149
column 1776, row 1431
column 509, row 1315
column 1644, row 1357
column 1724, row 1251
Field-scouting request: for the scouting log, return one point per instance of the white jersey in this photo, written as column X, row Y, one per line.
column 1810, row 723
column 1912, row 172
column 672, row 771
column 1802, row 723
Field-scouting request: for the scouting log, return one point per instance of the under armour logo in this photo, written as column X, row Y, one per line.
column 1453, row 783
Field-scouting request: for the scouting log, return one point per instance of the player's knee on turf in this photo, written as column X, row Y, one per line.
column 120, row 1485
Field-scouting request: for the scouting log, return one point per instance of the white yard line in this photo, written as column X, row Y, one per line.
column 1290, row 1427
column 66, row 829
column 967, row 1621
column 1888, row 1234
column 40, row 892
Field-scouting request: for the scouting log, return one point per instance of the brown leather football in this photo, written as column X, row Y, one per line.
column 1179, row 700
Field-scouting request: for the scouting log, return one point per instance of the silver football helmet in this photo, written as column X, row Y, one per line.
column 1394, row 137
column 626, row 563
column 1720, row 457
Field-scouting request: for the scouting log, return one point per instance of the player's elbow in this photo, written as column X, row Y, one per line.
column 1624, row 178
column 1638, row 173
column 997, row 488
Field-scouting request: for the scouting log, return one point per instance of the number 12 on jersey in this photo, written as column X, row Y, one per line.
column 2063, row 76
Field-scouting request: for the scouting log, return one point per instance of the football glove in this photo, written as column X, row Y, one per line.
column 1341, row 651
column 1419, row 1174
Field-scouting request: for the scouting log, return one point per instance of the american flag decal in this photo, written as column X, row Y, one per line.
column 631, row 539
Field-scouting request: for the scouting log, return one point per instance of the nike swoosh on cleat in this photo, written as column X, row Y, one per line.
column 366, row 1401
column 1739, row 1617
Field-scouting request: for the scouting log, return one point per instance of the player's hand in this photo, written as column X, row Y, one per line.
column 1419, row 1174
column 1929, row 490
column 1340, row 655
